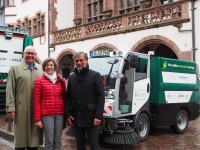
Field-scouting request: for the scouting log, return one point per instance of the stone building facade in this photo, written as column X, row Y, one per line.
column 167, row 27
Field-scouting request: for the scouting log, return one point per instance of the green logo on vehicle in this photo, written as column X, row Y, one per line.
column 165, row 65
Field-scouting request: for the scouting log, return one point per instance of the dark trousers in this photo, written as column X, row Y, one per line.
column 26, row 148
column 92, row 134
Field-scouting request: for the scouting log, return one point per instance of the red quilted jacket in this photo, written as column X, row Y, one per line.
column 48, row 97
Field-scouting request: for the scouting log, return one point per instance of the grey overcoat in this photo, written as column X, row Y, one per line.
column 19, row 99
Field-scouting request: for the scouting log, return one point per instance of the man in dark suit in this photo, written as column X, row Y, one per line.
column 85, row 102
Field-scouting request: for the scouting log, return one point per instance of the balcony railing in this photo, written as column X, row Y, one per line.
column 168, row 14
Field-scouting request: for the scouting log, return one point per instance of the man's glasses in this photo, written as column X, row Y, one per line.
column 30, row 53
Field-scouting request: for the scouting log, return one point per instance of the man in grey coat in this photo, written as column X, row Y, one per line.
column 19, row 100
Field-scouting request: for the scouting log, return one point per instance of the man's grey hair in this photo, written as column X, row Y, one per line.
column 80, row 53
column 32, row 48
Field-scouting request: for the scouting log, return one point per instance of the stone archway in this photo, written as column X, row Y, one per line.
column 65, row 62
column 63, row 53
column 162, row 46
column 105, row 46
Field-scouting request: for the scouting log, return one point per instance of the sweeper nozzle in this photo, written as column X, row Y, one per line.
column 121, row 137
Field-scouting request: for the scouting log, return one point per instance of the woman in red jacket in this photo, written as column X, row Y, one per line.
column 49, row 104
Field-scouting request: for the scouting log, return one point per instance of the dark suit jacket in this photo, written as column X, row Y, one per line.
column 85, row 97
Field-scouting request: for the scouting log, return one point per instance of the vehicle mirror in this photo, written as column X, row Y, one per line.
column 134, row 61
column 113, row 61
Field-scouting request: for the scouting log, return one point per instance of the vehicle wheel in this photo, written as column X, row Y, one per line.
column 181, row 122
column 142, row 126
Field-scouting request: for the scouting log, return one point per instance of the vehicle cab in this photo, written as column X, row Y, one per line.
column 126, row 80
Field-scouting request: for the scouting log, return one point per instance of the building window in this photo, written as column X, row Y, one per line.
column 2, row 18
column 10, row 3
column 18, row 23
column 136, row 5
column 137, row 2
column 26, row 22
column 38, row 24
column 34, row 27
column 129, row 6
column 89, row 10
column 29, row 27
column 42, row 24
column 24, row 1
column 22, row 24
column 95, row 10
column 101, row 7
column 129, row 3
column 168, row 1
column 122, row 4
column 1, row 3
column 125, row 6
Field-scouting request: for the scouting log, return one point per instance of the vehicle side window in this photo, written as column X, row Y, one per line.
column 126, row 89
column 141, row 71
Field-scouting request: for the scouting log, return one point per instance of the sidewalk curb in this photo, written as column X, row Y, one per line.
column 67, row 141
column 9, row 136
column 6, row 135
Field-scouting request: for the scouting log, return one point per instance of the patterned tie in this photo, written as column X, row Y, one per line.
column 31, row 67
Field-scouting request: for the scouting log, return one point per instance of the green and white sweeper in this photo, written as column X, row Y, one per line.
column 143, row 91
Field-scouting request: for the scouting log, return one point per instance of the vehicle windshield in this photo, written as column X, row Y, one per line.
column 104, row 66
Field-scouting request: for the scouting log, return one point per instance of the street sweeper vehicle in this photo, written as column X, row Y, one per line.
column 13, row 40
column 143, row 91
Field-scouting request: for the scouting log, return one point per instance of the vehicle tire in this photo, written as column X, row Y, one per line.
column 181, row 122
column 142, row 126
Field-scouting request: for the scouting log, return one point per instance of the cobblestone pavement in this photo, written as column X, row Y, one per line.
column 6, row 145
column 158, row 139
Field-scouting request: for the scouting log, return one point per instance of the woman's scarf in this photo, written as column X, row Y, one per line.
column 52, row 78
